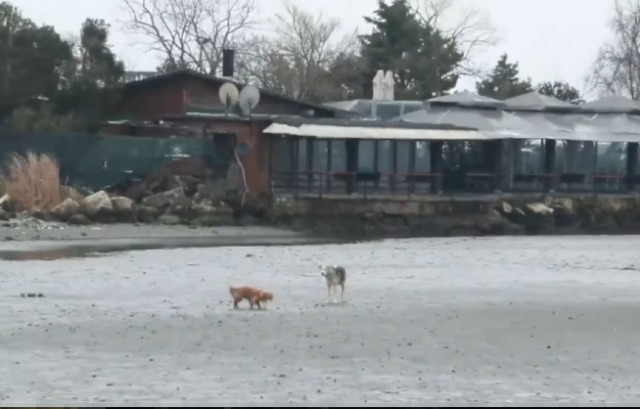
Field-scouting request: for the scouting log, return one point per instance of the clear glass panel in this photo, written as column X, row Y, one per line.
column 384, row 157
column 402, row 156
column 528, row 157
column 575, row 157
column 366, row 156
column 338, row 156
column 612, row 158
column 423, row 157
column 283, row 153
column 320, row 155
column 302, row 155
column 388, row 110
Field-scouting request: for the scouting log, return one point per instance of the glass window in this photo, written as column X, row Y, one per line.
column 386, row 111
column 283, row 155
column 338, row 156
column 385, row 151
column 423, row 157
column 402, row 156
column 575, row 157
column 302, row 155
column 528, row 157
column 366, row 156
column 320, row 155
column 612, row 158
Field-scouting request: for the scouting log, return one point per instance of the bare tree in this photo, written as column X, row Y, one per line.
column 617, row 66
column 191, row 33
column 297, row 58
column 467, row 26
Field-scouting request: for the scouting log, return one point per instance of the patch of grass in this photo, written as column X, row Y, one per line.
column 33, row 182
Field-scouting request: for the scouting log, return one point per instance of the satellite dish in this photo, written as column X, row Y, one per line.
column 228, row 94
column 248, row 99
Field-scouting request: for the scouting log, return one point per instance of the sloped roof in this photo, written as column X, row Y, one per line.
column 613, row 104
column 534, row 101
column 163, row 78
column 467, row 99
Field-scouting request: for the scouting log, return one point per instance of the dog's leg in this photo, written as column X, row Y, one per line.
column 328, row 294
column 342, row 293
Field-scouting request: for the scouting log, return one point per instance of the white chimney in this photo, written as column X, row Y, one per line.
column 388, row 86
column 378, row 86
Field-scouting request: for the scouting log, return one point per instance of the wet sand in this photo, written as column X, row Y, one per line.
column 498, row 320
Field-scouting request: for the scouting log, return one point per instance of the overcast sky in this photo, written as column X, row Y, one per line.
column 551, row 39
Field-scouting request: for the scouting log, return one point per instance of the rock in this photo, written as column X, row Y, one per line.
column 69, row 192
column 42, row 215
column 5, row 216
column 169, row 219
column 66, row 209
column 213, row 220
column 182, row 208
column 124, row 210
column 165, row 199
column 79, row 220
column 203, row 209
column 147, row 214
column 539, row 209
column 505, row 208
column 212, row 192
column 95, row 204
column 612, row 206
column 562, row 203
column 564, row 213
column 122, row 204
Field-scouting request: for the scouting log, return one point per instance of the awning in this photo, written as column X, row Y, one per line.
column 382, row 133
column 413, row 133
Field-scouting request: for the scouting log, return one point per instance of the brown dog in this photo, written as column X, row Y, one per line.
column 251, row 294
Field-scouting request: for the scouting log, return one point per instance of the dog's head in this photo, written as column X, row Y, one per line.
column 323, row 270
column 266, row 296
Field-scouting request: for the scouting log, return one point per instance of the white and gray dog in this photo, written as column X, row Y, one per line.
column 335, row 277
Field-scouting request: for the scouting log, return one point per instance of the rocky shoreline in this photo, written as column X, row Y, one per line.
column 206, row 208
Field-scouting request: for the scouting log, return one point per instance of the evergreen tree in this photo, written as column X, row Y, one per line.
column 504, row 81
column 423, row 60
column 562, row 91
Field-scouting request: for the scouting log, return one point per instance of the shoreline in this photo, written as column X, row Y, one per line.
column 54, row 240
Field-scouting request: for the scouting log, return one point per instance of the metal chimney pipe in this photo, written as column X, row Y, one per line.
column 227, row 62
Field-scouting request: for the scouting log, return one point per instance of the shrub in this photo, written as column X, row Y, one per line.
column 32, row 182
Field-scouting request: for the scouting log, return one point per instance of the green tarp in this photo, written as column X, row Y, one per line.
column 95, row 161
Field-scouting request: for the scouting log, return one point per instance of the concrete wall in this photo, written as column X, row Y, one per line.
column 439, row 216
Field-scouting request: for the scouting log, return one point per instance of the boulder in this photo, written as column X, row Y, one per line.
column 564, row 212
column 79, row 220
column 562, row 203
column 69, row 192
column 147, row 214
column 165, row 199
column 212, row 192
column 122, row 204
column 539, row 209
column 169, row 219
column 124, row 209
column 66, row 209
column 95, row 204
column 203, row 209
column 505, row 208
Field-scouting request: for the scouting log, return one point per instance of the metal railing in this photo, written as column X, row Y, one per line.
column 406, row 184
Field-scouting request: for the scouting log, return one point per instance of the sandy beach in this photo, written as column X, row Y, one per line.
column 498, row 320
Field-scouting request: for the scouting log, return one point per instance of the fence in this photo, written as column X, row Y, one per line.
column 95, row 161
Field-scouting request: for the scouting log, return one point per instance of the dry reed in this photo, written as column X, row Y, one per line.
column 32, row 182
